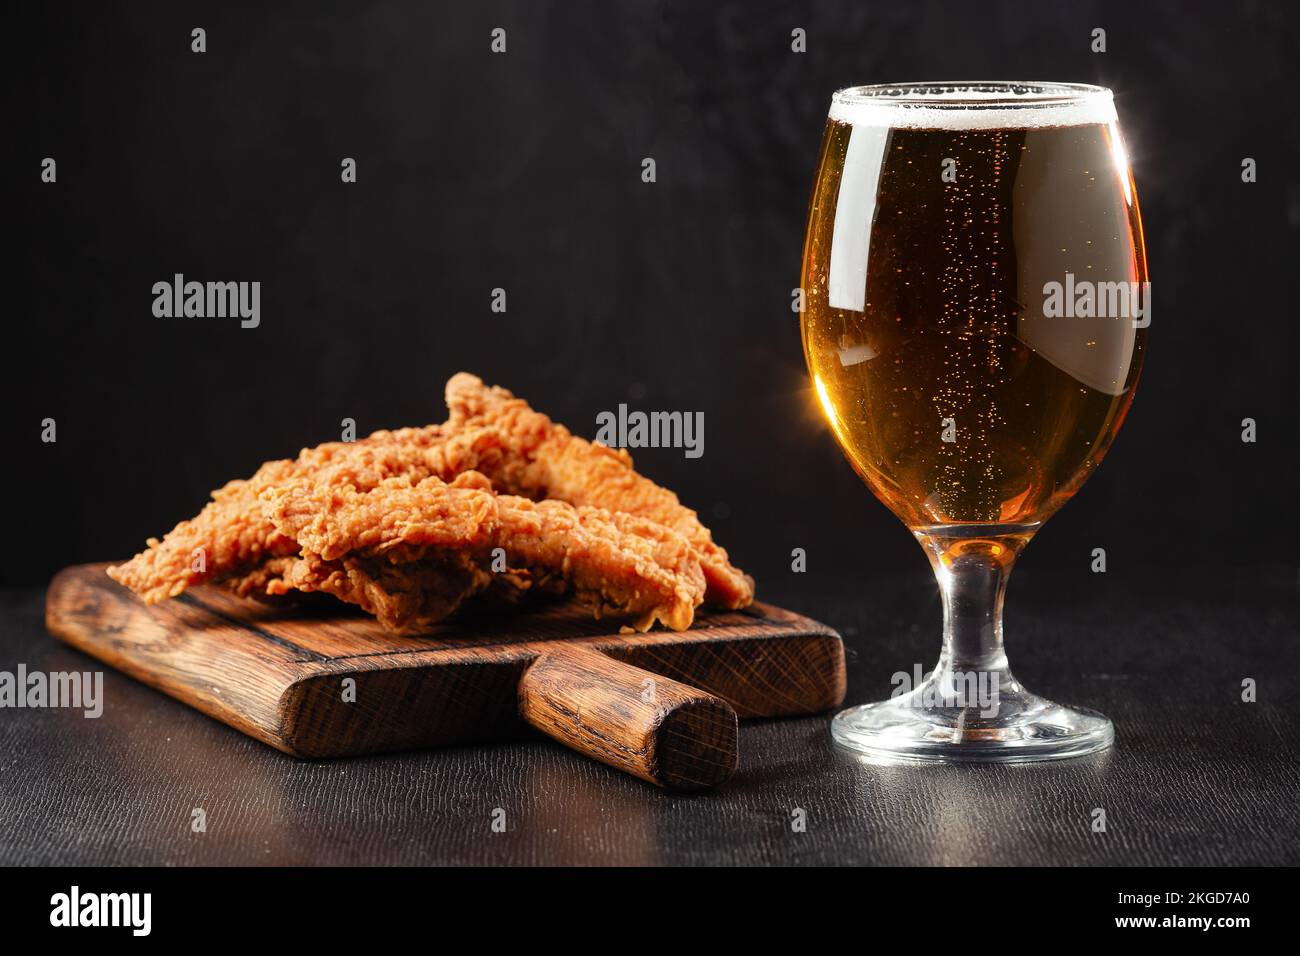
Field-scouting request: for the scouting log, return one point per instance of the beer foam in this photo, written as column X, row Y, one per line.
column 974, row 106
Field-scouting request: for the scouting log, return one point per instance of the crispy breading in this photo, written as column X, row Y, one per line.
column 232, row 536
column 400, row 596
column 615, row 561
column 539, row 459
column 261, row 580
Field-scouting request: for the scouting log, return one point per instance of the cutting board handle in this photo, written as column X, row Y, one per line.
column 654, row 728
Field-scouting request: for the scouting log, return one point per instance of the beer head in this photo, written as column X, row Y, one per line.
column 974, row 106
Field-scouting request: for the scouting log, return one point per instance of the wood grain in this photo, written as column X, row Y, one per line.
column 653, row 727
column 283, row 673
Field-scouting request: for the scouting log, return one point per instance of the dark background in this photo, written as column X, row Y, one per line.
column 523, row 171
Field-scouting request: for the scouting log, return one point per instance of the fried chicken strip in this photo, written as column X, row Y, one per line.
column 403, row 592
column 616, row 561
column 232, row 537
column 539, row 459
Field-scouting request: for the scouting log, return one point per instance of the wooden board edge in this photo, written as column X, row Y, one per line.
column 260, row 722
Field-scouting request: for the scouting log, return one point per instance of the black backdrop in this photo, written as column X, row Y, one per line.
column 522, row 171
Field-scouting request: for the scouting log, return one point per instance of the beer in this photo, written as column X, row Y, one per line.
column 959, row 387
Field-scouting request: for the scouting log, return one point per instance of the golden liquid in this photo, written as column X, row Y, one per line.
column 942, row 331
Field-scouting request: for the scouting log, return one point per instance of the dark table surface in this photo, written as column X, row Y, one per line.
column 1197, row 776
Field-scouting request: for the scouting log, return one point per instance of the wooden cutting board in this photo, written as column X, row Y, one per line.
column 317, row 680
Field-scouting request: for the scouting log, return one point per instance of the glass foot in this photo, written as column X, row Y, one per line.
column 1016, row 726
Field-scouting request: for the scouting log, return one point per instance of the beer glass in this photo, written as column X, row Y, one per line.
column 975, row 311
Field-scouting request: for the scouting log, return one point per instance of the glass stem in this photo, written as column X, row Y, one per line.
column 972, row 565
